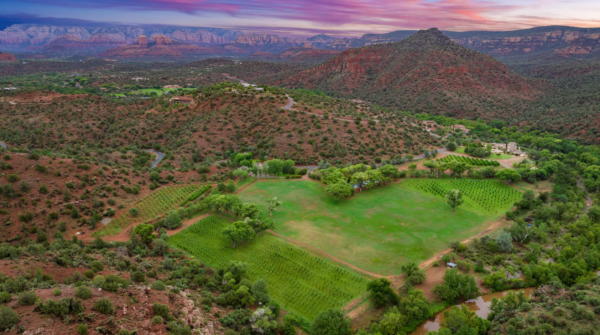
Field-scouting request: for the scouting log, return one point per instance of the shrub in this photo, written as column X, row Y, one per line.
column 157, row 319
column 99, row 281
column 8, row 318
column 57, row 292
column 97, row 266
column 83, row 292
column 161, row 310
column 88, row 274
column 173, row 221
column 13, row 177
column 158, row 286
column 5, row 297
column 138, row 276
column 103, row 306
column 27, row 298
column 60, row 307
column 82, row 329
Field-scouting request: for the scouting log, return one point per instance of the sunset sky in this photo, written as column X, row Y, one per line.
column 308, row 17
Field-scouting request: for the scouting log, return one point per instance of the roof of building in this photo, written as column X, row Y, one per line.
column 450, row 264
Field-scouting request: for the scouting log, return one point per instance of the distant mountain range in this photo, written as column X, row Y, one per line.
column 551, row 41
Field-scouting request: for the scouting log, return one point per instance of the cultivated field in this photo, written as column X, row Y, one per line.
column 302, row 283
column 156, row 204
column 380, row 229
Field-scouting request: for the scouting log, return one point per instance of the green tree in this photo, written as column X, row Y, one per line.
column 275, row 167
column 339, row 190
column 460, row 320
column 145, row 231
column 455, row 285
column 134, row 211
column 241, row 174
column 8, row 318
column 382, row 292
column 504, row 241
column 451, row 146
column 454, row 199
column 508, row 175
column 173, row 221
column 273, row 204
column 392, row 322
column 239, row 231
column 331, row 322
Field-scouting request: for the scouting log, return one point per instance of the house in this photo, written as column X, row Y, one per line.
column 451, row 265
column 460, row 127
column 182, row 100
column 139, row 78
column 171, row 86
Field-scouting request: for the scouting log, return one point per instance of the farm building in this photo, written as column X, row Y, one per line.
column 451, row 265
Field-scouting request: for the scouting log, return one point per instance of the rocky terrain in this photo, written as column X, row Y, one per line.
column 6, row 57
column 158, row 46
column 425, row 70
column 555, row 41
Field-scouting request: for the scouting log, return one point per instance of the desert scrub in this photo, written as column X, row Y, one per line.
column 158, row 286
column 103, row 306
column 27, row 298
column 83, row 292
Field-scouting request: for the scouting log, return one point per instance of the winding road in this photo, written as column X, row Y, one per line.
column 159, row 156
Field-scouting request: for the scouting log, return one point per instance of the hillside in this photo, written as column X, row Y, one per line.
column 158, row 46
column 425, row 72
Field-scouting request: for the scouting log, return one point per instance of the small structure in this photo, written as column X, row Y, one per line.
column 182, row 100
column 171, row 86
column 451, row 265
column 139, row 78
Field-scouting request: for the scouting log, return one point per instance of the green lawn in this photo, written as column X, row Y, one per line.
column 377, row 230
column 302, row 283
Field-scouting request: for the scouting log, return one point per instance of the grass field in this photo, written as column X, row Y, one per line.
column 300, row 282
column 461, row 150
column 380, row 229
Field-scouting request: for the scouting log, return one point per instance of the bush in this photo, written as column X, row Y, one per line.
column 8, row 318
column 13, row 177
column 57, row 292
column 89, row 274
column 158, row 286
column 82, row 329
column 83, row 292
column 103, row 306
column 5, row 297
column 173, row 221
column 161, row 310
column 99, row 281
column 138, row 276
column 97, row 266
column 27, row 298
column 157, row 320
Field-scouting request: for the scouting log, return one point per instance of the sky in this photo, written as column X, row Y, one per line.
column 308, row 17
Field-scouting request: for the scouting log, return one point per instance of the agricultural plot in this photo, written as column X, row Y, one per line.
column 380, row 229
column 487, row 196
column 157, row 203
column 300, row 282
column 469, row 160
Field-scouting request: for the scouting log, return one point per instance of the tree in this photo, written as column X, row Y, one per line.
column 238, row 231
column 275, row 167
column 504, row 241
column 392, row 322
column 359, row 178
column 382, row 292
column 455, row 285
column 134, row 211
column 248, row 210
column 331, row 322
column 273, row 204
column 460, row 320
column 454, row 199
column 173, row 221
column 260, row 291
column 409, row 268
column 145, row 231
column 508, row 175
column 334, row 177
column 451, row 146
column 339, row 190
column 412, row 168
